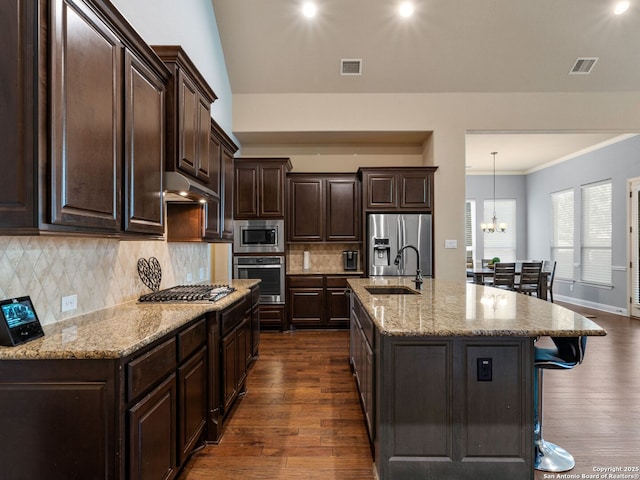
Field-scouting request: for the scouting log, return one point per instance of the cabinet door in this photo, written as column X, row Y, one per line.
column 228, row 190
column 18, row 128
column 86, row 119
column 245, row 191
column 255, row 330
column 229, row 367
column 144, row 147
column 306, row 307
column 203, row 138
column 214, row 215
column 381, row 190
column 271, row 191
column 152, row 434
column 343, row 210
column 243, row 344
column 306, row 212
column 337, row 307
column 415, row 190
column 192, row 395
column 188, row 131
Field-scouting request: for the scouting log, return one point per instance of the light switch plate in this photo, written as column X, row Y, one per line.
column 451, row 244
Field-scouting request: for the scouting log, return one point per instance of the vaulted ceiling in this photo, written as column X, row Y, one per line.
column 446, row 46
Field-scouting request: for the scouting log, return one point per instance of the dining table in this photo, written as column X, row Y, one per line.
column 480, row 273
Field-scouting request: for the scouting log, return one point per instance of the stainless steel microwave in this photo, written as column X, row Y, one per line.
column 258, row 236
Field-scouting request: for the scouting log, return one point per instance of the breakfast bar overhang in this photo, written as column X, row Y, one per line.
column 446, row 375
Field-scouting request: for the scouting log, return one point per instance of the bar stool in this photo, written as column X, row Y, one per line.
column 568, row 353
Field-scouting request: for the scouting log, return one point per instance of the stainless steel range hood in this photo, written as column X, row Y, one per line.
column 179, row 188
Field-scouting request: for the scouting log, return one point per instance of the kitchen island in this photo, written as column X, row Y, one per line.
column 124, row 392
column 446, row 375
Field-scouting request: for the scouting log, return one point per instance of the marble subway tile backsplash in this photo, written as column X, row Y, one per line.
column 101, row 272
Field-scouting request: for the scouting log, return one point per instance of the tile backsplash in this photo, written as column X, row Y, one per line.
column 323, row 256
column 101, row 272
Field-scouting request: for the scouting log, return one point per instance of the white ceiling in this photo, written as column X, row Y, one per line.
column 447, row 46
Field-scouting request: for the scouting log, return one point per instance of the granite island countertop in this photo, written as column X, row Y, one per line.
column 117, row 331
column 449, row 308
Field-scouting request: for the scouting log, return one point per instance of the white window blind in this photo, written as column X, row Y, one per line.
column 596, row 233
column 562, row 205
column 501, row 244
column 469, row 232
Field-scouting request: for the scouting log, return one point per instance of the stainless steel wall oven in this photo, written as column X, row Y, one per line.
column 269, row 269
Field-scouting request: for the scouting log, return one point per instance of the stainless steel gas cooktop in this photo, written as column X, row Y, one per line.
column 189, row 293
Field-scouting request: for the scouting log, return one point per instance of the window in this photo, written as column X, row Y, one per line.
column 596, row 233
column 469, row 232
column 501, row 244
column 563, row 235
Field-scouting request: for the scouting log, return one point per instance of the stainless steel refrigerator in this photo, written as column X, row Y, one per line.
column 389, row 232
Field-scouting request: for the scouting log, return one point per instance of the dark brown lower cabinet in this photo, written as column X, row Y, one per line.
column 272, row 317
column 192, row 382
column 318, row 301
column 152, row 434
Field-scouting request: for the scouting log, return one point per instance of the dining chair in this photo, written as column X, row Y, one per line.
column 550, row 266
column 485, row 262
column 504, row 275
column 530, row 274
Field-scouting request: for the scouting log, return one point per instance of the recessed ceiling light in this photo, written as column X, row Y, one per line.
column 309, row 9
column 406, row 9
column 621, row 7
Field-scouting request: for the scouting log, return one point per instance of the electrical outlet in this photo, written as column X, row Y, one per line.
column 451, row 244
column 70, row 302
column 485, row 370
column 189, row 277
column 201, row 273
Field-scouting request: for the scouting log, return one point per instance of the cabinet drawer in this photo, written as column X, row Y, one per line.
column 306, row 281
column 231, row 318
column 366, row 323
column 191, row 338
column 337, row 282
column 151, row 367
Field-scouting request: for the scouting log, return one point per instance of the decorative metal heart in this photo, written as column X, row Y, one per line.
column 150, row 272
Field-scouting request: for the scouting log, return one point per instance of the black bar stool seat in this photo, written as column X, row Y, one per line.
column 567, row 353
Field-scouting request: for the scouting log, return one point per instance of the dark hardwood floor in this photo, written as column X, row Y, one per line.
column 301, row 419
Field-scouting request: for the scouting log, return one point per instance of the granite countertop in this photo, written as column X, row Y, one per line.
column 447, row 308
column 322, row 271
column 117, row 331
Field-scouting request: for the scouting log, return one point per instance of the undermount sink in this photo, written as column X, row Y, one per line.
column 390, row 290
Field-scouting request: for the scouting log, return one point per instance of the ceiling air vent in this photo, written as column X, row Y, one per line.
column 351, row 67
column 583, row 65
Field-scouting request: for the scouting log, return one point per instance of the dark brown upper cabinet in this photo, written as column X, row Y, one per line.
column 80, row 130
column 323, row 208
column 189, row 100
column 213, row 221
column 259, row 187
column 144, row 147
column 398, row 188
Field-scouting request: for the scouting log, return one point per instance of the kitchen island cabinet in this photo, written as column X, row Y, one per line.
column 122, row 393
column 416, row 359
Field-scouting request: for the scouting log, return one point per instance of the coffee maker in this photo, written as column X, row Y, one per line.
column 350, row 258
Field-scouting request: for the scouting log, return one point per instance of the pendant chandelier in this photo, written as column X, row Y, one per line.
column 494, row 226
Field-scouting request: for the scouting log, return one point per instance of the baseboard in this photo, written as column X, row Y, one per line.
column 596, row 306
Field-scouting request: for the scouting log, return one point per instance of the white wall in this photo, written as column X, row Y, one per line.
column 191, row 24
column 449, row 117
